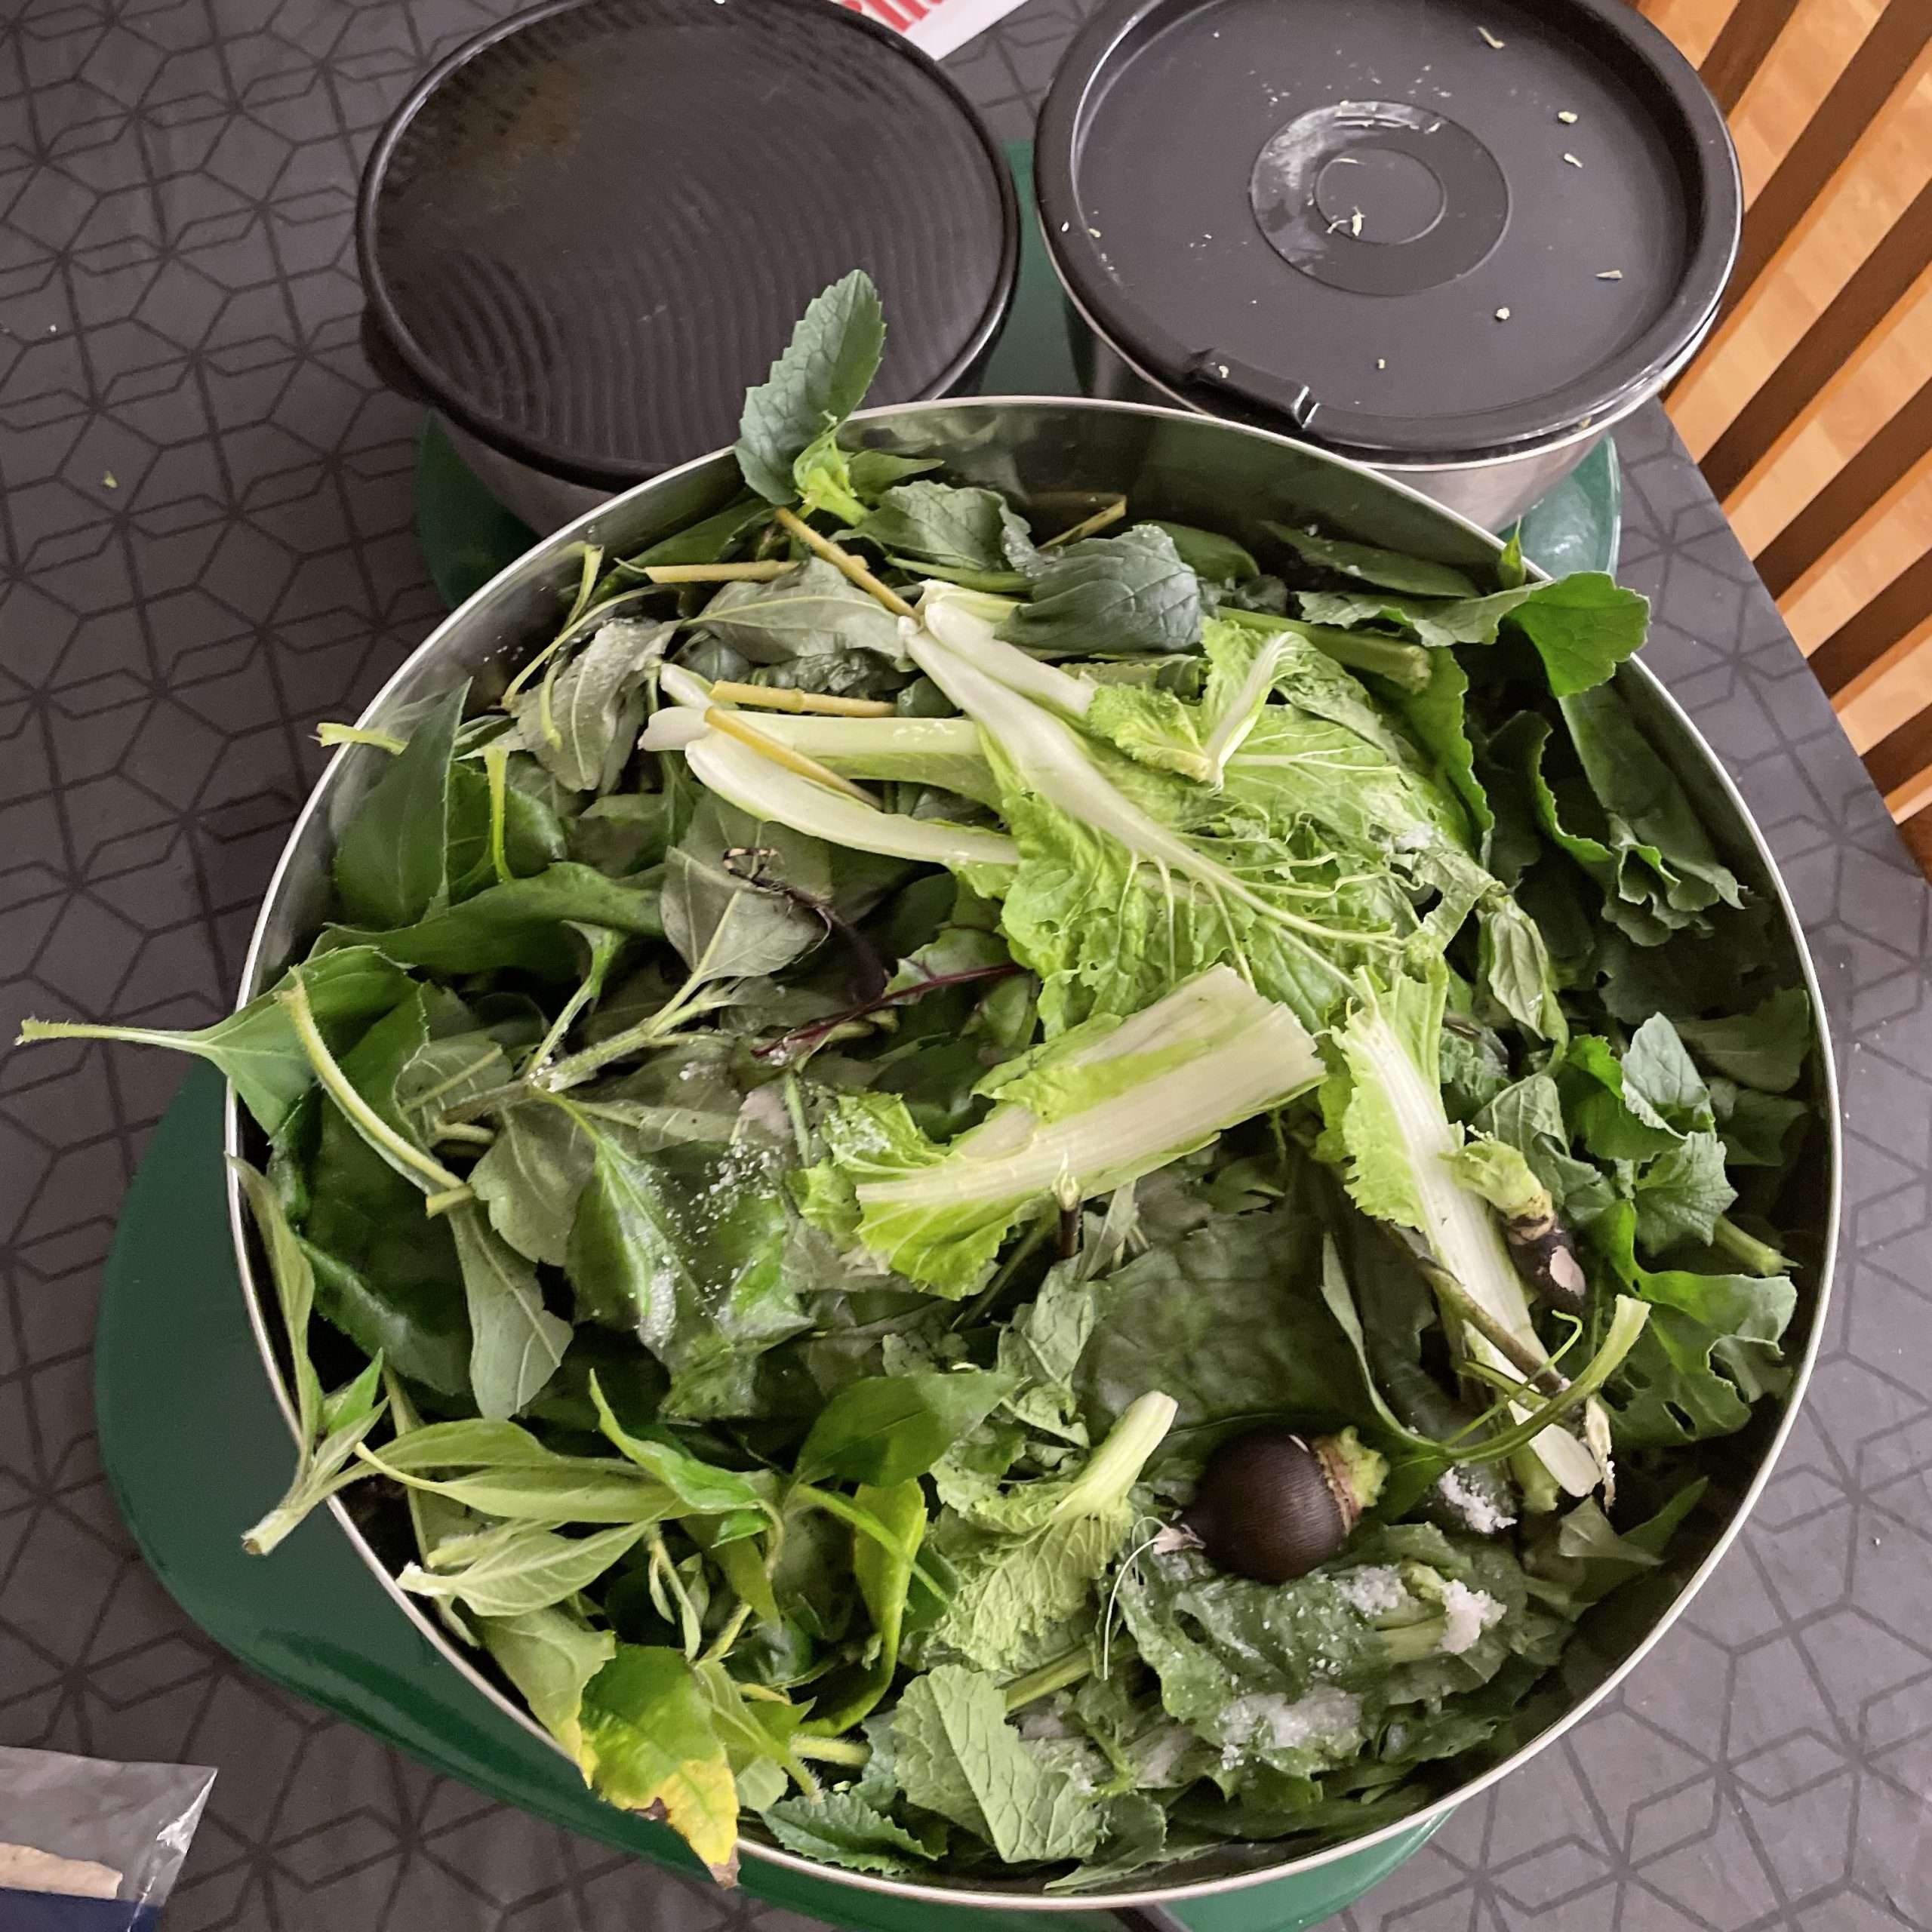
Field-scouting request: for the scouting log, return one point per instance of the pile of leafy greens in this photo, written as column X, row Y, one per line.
column 794, row 1201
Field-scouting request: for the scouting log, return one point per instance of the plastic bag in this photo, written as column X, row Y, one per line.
column 88, row 1846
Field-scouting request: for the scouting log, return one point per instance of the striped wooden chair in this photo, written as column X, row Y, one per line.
column 1810, row 407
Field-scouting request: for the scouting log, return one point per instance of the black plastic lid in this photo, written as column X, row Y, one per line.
column 586, row 232
column 1434, row 229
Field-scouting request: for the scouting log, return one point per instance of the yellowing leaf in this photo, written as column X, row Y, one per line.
column 699, row 1802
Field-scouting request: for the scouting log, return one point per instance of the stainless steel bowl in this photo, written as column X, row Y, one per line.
column 1191, row 468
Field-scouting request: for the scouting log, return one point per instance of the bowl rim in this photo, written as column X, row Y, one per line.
column 1427, row 1818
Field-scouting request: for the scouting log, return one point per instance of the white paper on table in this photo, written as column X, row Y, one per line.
column 935, row 26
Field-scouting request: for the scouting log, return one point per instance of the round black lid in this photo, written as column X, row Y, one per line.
column 588, row 232
column 1436, row 228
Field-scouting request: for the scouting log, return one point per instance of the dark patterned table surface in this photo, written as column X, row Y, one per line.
column 207, row 547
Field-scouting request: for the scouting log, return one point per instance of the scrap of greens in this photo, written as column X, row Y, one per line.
column 812, row 1208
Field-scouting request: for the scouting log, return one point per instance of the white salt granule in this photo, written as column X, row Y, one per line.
column 1469, row 1503
column 1467, row 1614
column 1374, row 1590
column 1325, row 1715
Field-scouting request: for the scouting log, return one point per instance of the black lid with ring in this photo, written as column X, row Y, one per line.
column 589, row 230
column 1441, row 229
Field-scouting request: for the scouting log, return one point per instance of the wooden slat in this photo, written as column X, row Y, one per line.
column 1898, row 763
column 1894, row 460
column 1850, row 703
column 1917, row 832
column 1782, row 215
column 1742, row 47
column 1864, row 638
column 1826, row 348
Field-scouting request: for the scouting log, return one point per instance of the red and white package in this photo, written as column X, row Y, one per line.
column 935, row 26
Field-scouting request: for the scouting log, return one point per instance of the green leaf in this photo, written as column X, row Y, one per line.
column 295, row 1292
column 1272, row 1676
column 1215, row 559
column 701, row 1488
column 840, row 1827
column 581, row 723
column 1589, row 1558
column 1617, row 1120
column 1756, row 1127
column 648, row 1744
column 255, row 1047
column 1749, row 1308
column 1437, row 715
column 820, row 379
column 1645, row 804
column 683, row 1247
column 550, row 1655
column 1227, row 1319
column 884, row 1576
column 386, row 1274
column 875, row 472
column 1658, row 1072
column 515, row 1345
column 512, row 1571
column 725, row 926
column 1387, row 568
column 1681, row 1193
column 1528, row 1116
column 1114, row 595
column 887, row 1429
column 519, row 926
column 965, row 529
column 956, row 1755
column 1584, row 626
column 390, row 857
column 815, row 610
column 711, row 541
column 530, row 1178
column 1765, row 1048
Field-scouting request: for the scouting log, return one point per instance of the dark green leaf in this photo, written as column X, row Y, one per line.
column 521, row 925
column 841, row 1829
column 814, row 611
column 1582, row 626
column 390, row 857
column 1643, row 802
column 1111, row 594
column 385, row 1273
column 819, row 379
column 1764, row 1049
column 888, row 1428
column 956, row 1755
column 1680, row 1194
column 712, row 541
column 875, row 472
column 963, row 529
column 1617, row 1121
column 726, row 927
column 1216, row 558
column 514, row 1344
column 1229, row 1320
column 581, row 723
column 534, row 832
column 1388, row 569
column 1756, row 1127
column 530, row 1176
